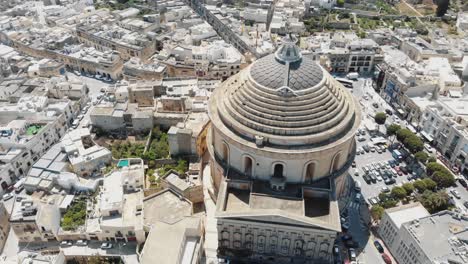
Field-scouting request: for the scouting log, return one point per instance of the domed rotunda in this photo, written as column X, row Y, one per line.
column 281, row 142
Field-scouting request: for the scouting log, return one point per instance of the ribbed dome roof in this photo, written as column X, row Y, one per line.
column 286, row 98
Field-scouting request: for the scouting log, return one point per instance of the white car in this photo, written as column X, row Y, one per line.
column 428, row 148
column 106, row 245
column 66, row 243
column 81, row 243
column 7, row 196
column 455, row 193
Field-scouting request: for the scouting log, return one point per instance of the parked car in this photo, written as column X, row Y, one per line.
column 404, row 170
column 352, row 254
column 66, row 243
column 385, row 189
column 428, row 148
column 7, row 196
column 106, row 245
column 361, row 138
column 378, row 246
column 81, row 242
column 388, row 111
column 466, row 204
column 366, row 148
column 367, row 179
column 353, row 164
column 19, row 189
column 357, row 186
column 365, row 169
column 386, row 258
column 376, row 105
column 373, row 178
column 463, row 183
column 455, row 193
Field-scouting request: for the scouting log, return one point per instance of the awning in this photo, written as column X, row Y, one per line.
column 411, row 128
column 426, row 136
column 400, row 111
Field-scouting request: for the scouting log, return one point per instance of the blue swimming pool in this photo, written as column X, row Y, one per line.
column 123, row 163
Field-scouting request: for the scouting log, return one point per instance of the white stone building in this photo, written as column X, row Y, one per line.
column 414, row 236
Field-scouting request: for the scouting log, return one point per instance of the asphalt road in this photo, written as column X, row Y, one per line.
column 358, row 213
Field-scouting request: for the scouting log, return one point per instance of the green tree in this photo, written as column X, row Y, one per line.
column 387, row 201
column 443, row 179
column 340, row 3
column 380, row 118
column 430, row 184
column 433, row 167
column 403, row 133
column 393, row 129
column 398, row 192
column 409, row 188
column 377, row 212
column 431, row 159
column 413, row 143
column 420, row 185
column 421, row 156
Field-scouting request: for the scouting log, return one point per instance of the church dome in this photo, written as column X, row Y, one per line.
column 285, row 99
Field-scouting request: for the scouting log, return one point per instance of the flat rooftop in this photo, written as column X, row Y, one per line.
column 442, row 237
column 406, row 213
column 315, row 208
column 165, row 241
column 165, row 206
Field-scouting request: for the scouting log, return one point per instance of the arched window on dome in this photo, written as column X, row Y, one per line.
column 310, row 171
column 336, row 162
column 278, row 170
column 225, row 152
column 248, row 166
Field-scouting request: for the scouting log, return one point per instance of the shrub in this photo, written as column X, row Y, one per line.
column 421, row 156
column 398, row 192
column 420, row 185
column 393, row 129
column 430, row 184
column 408, row 187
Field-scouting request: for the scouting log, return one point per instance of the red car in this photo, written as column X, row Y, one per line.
column 386, row 258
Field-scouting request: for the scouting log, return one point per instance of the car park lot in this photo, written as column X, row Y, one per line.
column 371, row 160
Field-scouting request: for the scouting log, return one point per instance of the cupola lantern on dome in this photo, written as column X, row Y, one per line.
column 288, row 51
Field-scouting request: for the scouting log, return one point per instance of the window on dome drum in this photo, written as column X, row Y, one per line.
column 310, row 171
column 248, row 166
column 278, row 171
column 335, row 163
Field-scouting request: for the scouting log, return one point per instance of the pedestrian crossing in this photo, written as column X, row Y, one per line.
column 354, row 205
